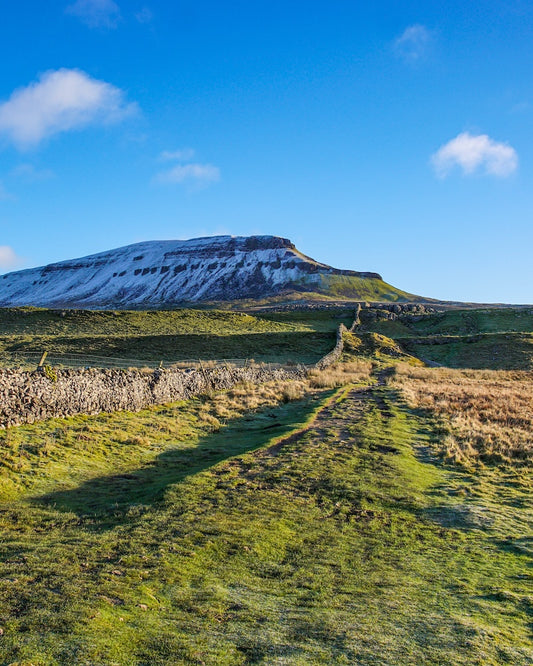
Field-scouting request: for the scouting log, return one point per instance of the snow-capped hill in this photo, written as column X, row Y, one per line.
column 163, row 273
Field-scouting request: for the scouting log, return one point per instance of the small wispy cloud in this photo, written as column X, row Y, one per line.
column 61, row 100
column 95, row 13
column 413, row 44
column 193, row 174
column 145, row 15
column 521, row 107
column 182, row 155
column 9, row 258
column 199, row 175
column 4, row 194
column 29, row 172
column 474, row 153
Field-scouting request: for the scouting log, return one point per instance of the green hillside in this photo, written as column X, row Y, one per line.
column 362, row 289
column 377, row 512
column 322, row 531
column 486, row 338
column 175, row 335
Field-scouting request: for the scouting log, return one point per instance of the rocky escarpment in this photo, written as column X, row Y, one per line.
column 163, row 273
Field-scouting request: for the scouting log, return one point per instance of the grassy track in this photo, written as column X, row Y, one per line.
column 321, row 531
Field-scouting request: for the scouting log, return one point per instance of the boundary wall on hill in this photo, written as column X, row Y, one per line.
column 334, row 355
column 26, row 397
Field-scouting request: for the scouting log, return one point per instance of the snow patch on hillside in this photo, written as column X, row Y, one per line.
column 166, row 272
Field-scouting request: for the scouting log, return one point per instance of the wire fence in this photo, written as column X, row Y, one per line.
column 30, row 360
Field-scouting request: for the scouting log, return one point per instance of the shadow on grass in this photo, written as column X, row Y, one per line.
column 300, row 346
column 106, row 500
column 483, row 351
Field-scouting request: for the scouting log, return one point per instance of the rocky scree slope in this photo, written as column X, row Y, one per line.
column 163, row 273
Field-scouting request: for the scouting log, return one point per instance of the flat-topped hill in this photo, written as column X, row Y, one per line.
column 158, row 274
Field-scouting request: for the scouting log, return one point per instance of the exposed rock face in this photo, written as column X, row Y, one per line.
column 160, row 273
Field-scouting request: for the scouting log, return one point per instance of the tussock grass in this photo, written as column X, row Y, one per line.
column 488, row 414
column 340, row 374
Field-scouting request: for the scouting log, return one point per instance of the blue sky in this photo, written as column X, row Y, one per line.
column 389, row 136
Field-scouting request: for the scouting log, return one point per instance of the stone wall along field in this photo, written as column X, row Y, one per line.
column 26, row 397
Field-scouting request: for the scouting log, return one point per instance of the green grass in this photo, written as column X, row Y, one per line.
column 321, row 531
column 301, row 337
column 458, row 322
column 304, row 347
column 483, row 320
column 316, row 319
column 349, row 544
column 501, row 339
column 364, row 289
column 496, row 351
column 375, row 347
column 40, row 321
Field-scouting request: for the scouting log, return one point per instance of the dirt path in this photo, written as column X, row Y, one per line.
column 345, row 408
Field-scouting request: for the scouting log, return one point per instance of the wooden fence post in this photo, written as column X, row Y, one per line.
column 41, row 362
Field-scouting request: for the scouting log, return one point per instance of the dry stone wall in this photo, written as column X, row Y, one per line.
column 26, row 397
column 335, row 354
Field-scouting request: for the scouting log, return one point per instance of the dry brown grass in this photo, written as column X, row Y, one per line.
column 488, row 414
column 248, row 396
column 340, row 374
column 217, row 407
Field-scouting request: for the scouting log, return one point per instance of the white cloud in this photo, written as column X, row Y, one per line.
column 475, row 153
column 28, row 172
column 200, row 175
column 8, row 258
column 95, row 13
column 183, row 155
column 59, row 101
column 144, row 16
column 192, row 174
column 413, row 44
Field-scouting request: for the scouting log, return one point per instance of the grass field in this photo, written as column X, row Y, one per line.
column 305, row 347
column 379, row 512
column 301, row 337
column 499, row 339
column 487, row 416
column 210, row 535
column 72, row 323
